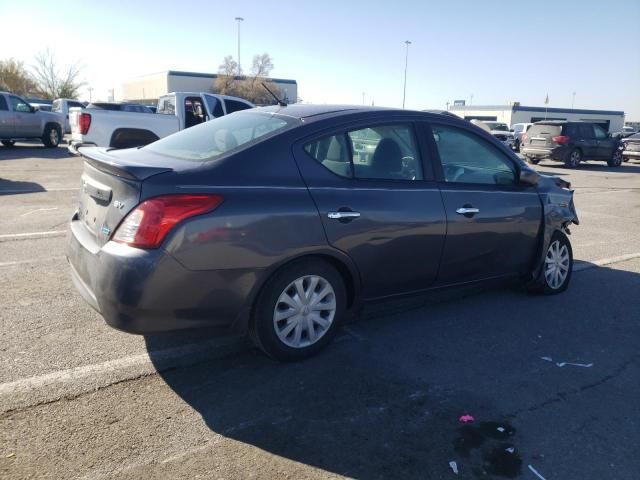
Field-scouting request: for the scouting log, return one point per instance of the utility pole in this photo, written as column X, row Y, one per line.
column 447, row 106
column 89, row 89
column 471, row 100
column 363, row 97
column 573, row 100
column 406, row 60
column 239, row 20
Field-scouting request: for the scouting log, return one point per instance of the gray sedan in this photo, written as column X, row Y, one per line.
column 277, row 221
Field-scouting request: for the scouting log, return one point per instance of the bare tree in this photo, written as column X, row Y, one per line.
column 51, row 83
column 15, row 78
column 249, row 87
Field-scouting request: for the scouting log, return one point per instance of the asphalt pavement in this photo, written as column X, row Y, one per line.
column 552, row 382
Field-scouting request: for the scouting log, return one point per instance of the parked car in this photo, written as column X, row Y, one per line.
column 20, row 121
column 62, row 106
column 501, row 131
column 519, row 129
column 176, row 111
column 626, row 132
column 630, row 147
column 570, row 143
column 264, row 222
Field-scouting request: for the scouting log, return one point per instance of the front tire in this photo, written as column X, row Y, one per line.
column 299, row 311
column 573, row 158
column 8, row 143
column 533, row 160
column 616, row 159
column 555, row 274
column 51, row 137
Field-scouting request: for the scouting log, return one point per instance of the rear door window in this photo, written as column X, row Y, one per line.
column 3, row 103
column 380, row 152
column 167, row 105
column 586, row 131
column 235, row 106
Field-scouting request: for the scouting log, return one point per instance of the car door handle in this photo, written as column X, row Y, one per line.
column 343, row 215
column 467, row 211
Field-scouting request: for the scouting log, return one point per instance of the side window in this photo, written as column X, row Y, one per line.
column 167, row 105
column 600, row 133
column 3, row 103
column 333, row 153
column 19, row 105
column 387, row 152
column 215, row 106
column 467, row 158
column 235, row 106
column 586, row 131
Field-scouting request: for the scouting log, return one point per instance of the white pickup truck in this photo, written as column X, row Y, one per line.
column 175, row 111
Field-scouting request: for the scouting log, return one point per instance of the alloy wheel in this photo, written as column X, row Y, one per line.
column 556, row 265
column 574, row 159
column 304, row 311
column 53, row 136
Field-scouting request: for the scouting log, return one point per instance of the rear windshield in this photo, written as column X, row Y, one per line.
column 537, row 130
column 213, row 139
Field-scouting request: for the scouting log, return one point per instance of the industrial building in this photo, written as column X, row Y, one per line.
column 148, row 88
column 610, row 120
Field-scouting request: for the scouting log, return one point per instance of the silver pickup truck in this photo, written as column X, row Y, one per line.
column 20, row 121
column 176, row 111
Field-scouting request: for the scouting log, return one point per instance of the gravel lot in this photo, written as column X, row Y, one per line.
column 80, row 400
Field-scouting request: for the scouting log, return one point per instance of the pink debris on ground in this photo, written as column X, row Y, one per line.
column 466, row 418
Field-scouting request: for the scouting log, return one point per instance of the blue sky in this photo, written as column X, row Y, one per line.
column 336, row 50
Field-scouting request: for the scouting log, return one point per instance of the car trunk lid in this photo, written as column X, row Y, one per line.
column 110, row 189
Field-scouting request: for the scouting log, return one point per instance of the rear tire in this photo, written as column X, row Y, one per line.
column 556, row 270
column 288, row 326
column 573, row 158
column 616, row 159
column 51, row 137
column 9, row 143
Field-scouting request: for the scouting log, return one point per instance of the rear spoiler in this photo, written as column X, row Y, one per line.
column 115, row 165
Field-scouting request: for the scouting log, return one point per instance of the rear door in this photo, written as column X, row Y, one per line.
column 493, row 220
column 6, row 118
column 378, row 203
column 587, row 141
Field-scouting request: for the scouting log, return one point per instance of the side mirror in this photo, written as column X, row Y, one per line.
column 529, row 177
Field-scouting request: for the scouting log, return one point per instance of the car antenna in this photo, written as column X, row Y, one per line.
column 282, row 103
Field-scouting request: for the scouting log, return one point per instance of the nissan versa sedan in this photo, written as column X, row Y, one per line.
column 278, row 221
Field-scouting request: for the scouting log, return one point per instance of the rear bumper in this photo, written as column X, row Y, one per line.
column 149, row 291
column 74, row 145
column 630, row 154
column 556, row 153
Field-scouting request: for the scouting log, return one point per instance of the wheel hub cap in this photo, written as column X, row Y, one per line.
column 304, row 311
column 556, row 265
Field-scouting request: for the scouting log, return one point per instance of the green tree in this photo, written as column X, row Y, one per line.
column 51, row 82
column 14, row 78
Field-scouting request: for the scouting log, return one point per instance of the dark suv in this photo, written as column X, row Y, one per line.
column 570, row 143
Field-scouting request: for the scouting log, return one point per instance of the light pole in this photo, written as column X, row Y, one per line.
column 406, row 60
column 239, row 20
column 573, row 100
column 89, row 89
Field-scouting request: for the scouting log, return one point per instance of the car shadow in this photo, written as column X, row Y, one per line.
column 21, row 151
column 383, row 400
column 12, row 187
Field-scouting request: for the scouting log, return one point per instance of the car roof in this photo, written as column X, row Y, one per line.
column 306, row 111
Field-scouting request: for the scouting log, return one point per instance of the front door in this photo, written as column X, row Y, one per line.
column 378, row 203
column 26, row 120
column 604, row 143
column 493, row 220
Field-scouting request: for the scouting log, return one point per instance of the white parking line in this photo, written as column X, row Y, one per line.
column 70, row 189
column 33, row 260
column 49, row 233
column 76, row 381
column 39, row 210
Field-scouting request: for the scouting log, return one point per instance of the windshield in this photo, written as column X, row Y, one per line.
column 213, row 139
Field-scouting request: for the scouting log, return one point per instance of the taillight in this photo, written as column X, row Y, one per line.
column 525, row 137
column 150, row 222
column 561, row 139
column 84, row 122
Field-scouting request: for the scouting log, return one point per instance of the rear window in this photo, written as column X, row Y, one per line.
column 57, row 106
column 217, row 137
column 538, row 130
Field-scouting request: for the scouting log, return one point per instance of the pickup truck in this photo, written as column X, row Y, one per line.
column 62, row 106
column 175, row 111
column 20, row 120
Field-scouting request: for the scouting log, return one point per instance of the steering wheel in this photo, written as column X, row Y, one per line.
column 452, row 173
column 408, row 167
